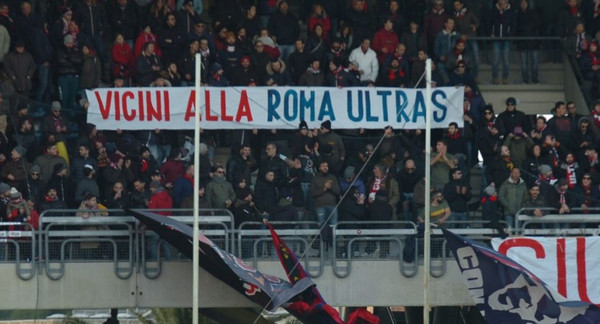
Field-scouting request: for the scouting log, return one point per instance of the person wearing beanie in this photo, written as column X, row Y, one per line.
column 217, row 77
column 327, row 137
column 349, row 177
column 160, row 198
column 20, row 67
column 146, row 164
column 78, row 163
column 54, row 125
column 561, row 198
column 51, row 200
column 245, row 75
column 16, row 169
column 511, row 118
column 18, row 209
column 62, row 184
column 87, row 184
column 244, row 209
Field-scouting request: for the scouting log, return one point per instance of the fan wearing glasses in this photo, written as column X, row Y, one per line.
column 511, row 117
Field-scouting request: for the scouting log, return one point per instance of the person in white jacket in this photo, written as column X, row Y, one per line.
column 368, row 66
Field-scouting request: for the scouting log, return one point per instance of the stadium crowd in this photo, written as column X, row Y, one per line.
column 50, row 158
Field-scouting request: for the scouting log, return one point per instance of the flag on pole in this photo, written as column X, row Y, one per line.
column 506, row 292
column 312, row 308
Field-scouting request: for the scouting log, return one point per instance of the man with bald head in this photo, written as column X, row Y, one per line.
column 407, row 179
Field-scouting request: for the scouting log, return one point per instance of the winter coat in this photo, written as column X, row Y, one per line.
column 160, row 199
column 91, row 71
column 69, row 61
column 218, row 192
column 511, row 195
column 20, row 68
column 320, row 196
column 285, row 27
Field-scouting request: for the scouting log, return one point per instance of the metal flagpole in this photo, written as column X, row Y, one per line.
column 195, row 243
column 427, row 237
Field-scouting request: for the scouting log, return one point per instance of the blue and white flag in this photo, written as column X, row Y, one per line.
column 506, row 292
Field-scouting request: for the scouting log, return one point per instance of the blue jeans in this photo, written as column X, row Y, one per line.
column 456, row 216
column 68, row 86
column 473, row 48
column 152, row 248
column 498, row 46
column 530, row 63
column 408, row 206
column 324, row 211
column 43, row 78
column 285, row 51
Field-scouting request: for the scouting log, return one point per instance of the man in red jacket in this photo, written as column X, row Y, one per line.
column 160, row 199
column 385, row 40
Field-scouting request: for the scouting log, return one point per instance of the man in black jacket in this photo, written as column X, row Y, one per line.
column 458, row 194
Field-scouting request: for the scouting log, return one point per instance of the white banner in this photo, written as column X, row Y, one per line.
column 267, row 107
column 569, row 265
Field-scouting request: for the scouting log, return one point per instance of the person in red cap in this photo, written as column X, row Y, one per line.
column 245, row 75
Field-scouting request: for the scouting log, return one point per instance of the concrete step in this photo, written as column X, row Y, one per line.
column 532, row 98
column 548, row 74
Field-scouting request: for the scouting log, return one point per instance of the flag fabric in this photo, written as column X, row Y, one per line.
column 506, row 292
column 269, row 292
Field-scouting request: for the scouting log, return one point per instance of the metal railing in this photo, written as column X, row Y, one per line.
column 65, row 238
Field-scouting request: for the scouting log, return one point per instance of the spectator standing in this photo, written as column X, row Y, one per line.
column 49, row 159
column 385, row 40
column 414, row 40
column 313, row 76
column 124, row 20
column 54, row 125
column 318, row 16
column 20, row 67
column 528, row 25
column 519, row 144
column 561, row 126
column 443, row 45
column 284, row 26
column 408, row 178
column 122, row 58
column 171, row 40
column 511, row 117
column 277, row 74
column 503, row 25
column 86, row 184
column 361, row 21
column 68, row 69
column 183, row 186
column 91, row 69
column 148, row 65
column 91, row 16
column 434, row 22
column 16, row 169
column 219, row 192
column 366, row 58
column 383, row 182
column 512, row 194
column 458, row 194
column 467, row 24
column 441, row 164
column 439, row 210
column 266, row 193
column 299, row 60
column 187, row 16
column 325, row 191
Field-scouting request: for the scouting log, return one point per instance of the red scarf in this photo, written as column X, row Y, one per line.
column 454, row 136
column 491, row 198
column 571, row 179
column 190, row 179
column 596, row 116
